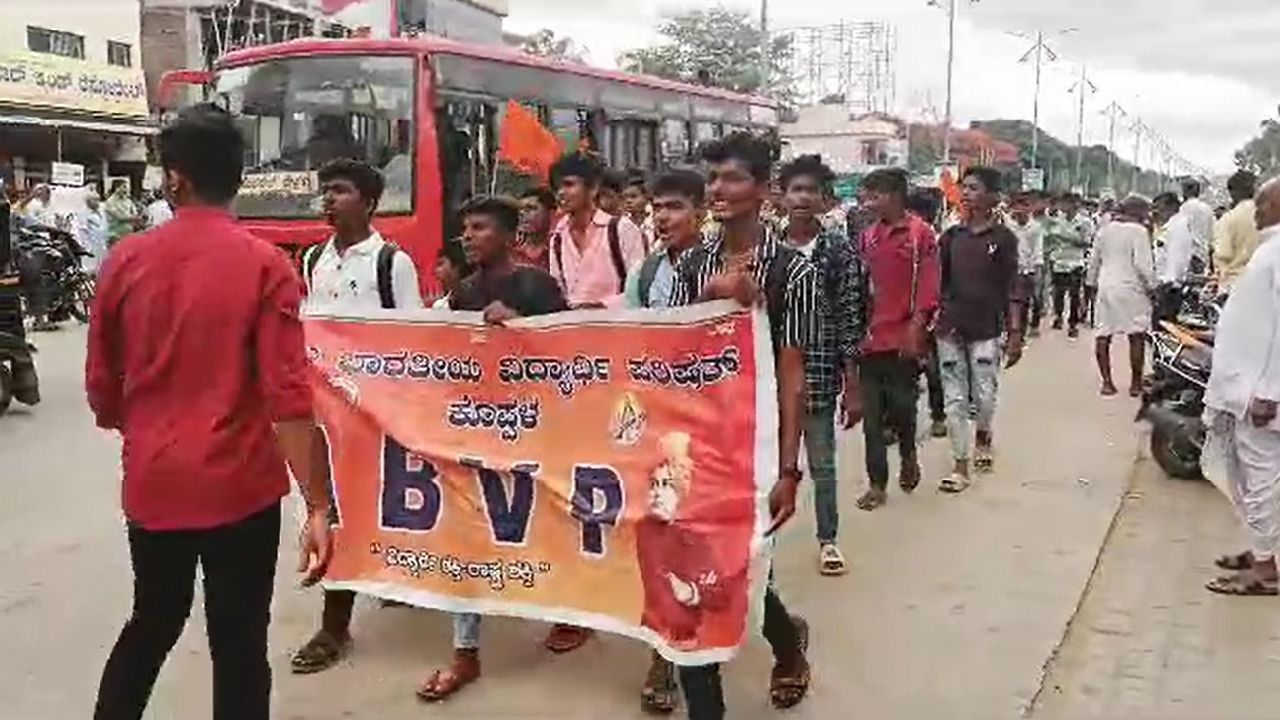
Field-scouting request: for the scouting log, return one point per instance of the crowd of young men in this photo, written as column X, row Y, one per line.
column 860, row 305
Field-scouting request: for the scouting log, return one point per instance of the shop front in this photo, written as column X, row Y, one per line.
column 57, row 111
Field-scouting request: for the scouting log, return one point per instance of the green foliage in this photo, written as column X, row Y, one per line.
column 717, row 47
column 545, row 43
column 1261, row 155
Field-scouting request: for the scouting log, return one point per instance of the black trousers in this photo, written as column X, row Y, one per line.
column 933, row 383
column 703, row 691
column 1068, row 287
column 890, row 390
column 239, row 566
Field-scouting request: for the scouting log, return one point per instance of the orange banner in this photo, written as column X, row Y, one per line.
column 609, row 469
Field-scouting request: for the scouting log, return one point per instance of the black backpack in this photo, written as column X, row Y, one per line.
column 386, row 258
column 615, row 253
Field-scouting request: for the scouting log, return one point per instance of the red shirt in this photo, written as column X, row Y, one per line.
column 888, row 252
column 195, row 349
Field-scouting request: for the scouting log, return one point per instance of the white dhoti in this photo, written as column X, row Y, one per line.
column 1250, row 458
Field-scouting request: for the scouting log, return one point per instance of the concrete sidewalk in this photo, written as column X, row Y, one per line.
column 952, row 608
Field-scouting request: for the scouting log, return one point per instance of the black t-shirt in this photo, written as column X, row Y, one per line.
column 978, row 281
column 527, row 290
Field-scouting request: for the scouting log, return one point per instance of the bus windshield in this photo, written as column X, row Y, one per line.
column 299, row 113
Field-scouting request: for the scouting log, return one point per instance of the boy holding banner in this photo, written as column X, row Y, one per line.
column 503, row 290
column 746, row 262
column 355, row 269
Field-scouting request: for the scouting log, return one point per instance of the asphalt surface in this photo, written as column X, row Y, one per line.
column 1066, row 585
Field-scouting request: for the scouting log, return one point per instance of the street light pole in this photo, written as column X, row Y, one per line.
column 1084, row 86
column 765, row 46
column 951, row 62
column 1035, row 107
column 1113, row 111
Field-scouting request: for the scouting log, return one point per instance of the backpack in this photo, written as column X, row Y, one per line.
column 615, row 253
column 648, row 271
column 386, row 258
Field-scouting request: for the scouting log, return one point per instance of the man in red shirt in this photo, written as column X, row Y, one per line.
column 196, row 357
column 900, row 252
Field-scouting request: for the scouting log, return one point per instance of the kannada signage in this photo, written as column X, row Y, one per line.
column 608, row 469
column 50, row 81
column 65, row 173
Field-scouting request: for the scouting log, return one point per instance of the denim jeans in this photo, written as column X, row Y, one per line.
column 890, row 391
column 820, row 448
column 466, row 631
column 970, row 378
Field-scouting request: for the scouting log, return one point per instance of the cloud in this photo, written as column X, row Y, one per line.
column 1198, row 71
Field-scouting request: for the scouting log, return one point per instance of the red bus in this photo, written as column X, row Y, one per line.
column 427, row 112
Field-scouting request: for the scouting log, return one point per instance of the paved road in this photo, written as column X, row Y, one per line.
column 954, row 607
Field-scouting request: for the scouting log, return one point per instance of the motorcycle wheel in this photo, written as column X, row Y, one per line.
column 82, row 299
column 1179, row 459
column 6, row 388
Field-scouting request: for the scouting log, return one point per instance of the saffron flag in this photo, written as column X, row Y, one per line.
column 525, row 144
column 607, row 469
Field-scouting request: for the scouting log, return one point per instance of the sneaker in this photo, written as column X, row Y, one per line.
column 831, row 561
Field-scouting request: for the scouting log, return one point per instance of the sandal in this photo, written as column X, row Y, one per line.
column 443, row 684
column 785, row 692
column 831, row 561
column 1243, row 583
column 567, row 638
column 321, row 652
column 909, row 478
column 983, row 461
column 661, row 693
column 872, row 499
column 954, row 484
column 1242, row 561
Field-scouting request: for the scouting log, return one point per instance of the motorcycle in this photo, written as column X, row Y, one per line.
column 51, row 265
column 1173, row 397
column 15, row 362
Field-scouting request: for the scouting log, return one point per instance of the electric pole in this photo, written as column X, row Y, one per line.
column 1138, row 128
column 765, row 47
column 1084, row 86
column 951, row 65
column 1113, row 111
column 1038, row 52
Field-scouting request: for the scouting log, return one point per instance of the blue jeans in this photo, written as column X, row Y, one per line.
column 970, row 378
column 820, row 448
column 466, row 631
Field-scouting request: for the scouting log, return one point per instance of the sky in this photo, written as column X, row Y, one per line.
column 1195, row 71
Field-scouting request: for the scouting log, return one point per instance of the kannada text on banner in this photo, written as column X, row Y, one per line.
column 609, row 469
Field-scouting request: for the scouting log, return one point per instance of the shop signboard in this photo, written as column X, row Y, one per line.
column 39, row 80
column 67, row 174
column 1032, row 179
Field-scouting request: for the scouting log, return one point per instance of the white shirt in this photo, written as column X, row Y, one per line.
column 1174, row 261
column 159, row 213
column 1246, row 351
column 37, row 212
column 1201, row 219
column 349, row 280
column 1030, row 245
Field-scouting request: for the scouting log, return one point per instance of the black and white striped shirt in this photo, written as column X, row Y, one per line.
column 796, row 306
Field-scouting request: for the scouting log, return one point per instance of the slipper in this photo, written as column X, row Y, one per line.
column 954, row 484
column 1243, row 583
column 661, row 692
column 909, row 478
column 322, row 651
column 831, row 561
column 785, row 692
column 443, row 684
column 983, row 461
column 872, row 499
column 567, row 638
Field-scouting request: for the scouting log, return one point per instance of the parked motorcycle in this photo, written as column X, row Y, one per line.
column 55, row 283
column 17, row 372
column 1173, row 397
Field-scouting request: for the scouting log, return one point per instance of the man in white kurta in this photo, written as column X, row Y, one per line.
column 1241, row 404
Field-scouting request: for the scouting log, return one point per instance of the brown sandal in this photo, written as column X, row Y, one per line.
column 567, row 638
column 443, row 684
column 788, row 691
column 1243, row 583
column 661, row 692
column 322, row 651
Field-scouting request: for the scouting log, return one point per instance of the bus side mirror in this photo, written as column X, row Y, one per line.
column 170, row 98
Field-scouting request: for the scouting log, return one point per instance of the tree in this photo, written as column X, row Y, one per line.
column 545, row 43
column 1261, row 155
column 717, row 47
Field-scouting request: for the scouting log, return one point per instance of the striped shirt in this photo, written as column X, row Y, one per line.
column 796, row 321
column 842, row 280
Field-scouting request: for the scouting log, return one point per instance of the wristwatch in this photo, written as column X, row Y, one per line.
column 791, row 472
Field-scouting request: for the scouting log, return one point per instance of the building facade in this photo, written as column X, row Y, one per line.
column 72, row 92
column 849, row 144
